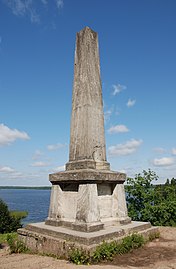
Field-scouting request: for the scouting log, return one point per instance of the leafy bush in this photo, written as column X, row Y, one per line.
column 107, row 250
column 8, row 222
column 78, row 257
column 148, row 202
column 3, row 237
column 15, row 245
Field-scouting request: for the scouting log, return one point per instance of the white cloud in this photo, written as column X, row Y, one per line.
column 165, row 161
column 58, row 169
column 159, row 150
column 7, row 173
column 118, row 129
column 7, row 135
column 45, row 2
column 23, row 8
column 40, row 164
column 35, row 18
column 59, row 4
column 108, row 112
column 37, row 154
column 174, row 151
column 118, row 88
column 55, row 146
column 16, row 175
column 124, row 149
column 32, row 8
column 6, row 169
column 131, row 103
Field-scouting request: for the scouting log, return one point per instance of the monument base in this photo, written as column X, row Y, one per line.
column 60, row 241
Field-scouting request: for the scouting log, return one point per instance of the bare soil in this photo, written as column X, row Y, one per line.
column 158, row 254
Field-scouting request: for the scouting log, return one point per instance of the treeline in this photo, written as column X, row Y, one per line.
column 25, row 188
column 148, row 201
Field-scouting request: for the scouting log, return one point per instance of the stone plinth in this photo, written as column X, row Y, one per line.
column 59, row 241
column 87, row 199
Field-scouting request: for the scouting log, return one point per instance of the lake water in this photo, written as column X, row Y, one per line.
column 35, row 202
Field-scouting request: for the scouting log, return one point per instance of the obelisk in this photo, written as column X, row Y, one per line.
column 87, row 195
column 87, row 141
column 87, row 204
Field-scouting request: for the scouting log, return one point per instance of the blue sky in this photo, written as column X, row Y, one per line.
column 137, row 44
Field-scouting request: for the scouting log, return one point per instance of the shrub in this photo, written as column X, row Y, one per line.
column 8, row 222
column 78, row 257
column 15, row 245
column 107, row 250
column 148, row 202
column 3, row 237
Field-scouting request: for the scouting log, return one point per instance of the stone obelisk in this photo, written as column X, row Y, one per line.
column 87, row 141
column 87, row 195
column 87, row 202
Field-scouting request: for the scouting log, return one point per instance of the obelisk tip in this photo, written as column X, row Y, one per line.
column 87, row 29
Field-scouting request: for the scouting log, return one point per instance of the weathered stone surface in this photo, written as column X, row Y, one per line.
column 87, row 212
column 59, row 241
column 119, row 207
column 87, row 175
column 87, row 207
column 87, row 204
column 87, row 141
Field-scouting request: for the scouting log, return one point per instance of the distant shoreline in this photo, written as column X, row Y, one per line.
column 25, row 187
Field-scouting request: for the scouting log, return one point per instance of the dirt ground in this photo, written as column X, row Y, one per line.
column 159, row 254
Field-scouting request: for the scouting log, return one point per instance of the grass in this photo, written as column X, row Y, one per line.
column 15, row 245
column 3, row 237
column 19, row 214
column 11, row 239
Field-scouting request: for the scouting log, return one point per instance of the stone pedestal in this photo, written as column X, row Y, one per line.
column 86, row 199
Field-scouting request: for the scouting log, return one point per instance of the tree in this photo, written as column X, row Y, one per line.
column 148, row 202
column 8, row 223
column 173, row 181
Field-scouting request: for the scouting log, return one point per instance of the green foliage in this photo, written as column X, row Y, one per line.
column 3, row 237
column 154, row 235
column 147, row 202
column 78, row 257
column 15, row 245
column 106, row 250
column 19, row 214
column 9, row 222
